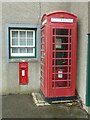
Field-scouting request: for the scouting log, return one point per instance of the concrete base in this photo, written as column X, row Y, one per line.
column 38, row 99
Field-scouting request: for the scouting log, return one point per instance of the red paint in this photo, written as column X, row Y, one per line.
column 23, row 73
column 58, row 55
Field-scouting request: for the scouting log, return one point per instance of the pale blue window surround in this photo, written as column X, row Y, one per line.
column 23, row 42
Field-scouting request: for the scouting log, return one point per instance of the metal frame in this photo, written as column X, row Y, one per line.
column 88, row 74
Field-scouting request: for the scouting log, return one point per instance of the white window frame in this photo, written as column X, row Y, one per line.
column 22, row 46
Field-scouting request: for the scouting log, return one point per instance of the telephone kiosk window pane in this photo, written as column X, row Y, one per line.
column 61, row 31
column 61, row 43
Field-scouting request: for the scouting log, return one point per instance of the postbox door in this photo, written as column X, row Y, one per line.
column 62, row 67
column 23, row 73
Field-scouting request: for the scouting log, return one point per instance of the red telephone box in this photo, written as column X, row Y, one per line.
column 23, row 73
column 58, row 54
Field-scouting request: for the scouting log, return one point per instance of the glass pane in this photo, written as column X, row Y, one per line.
column 58, row 41
column 69, row 76
column 61, row 61
column 42, row 40
column 22, row 34
column 69, row 69
column 42, row 33
column 29, row 41
column 69, row 61
column 69, row 83
column 52, row 84
column 22, row 38
column 61, row 40
column 23, row 50
column 22, row 41
column 42, row 47
column 61, row 54
column 70, row 39
column 61, row 31
column 62, row 47
column 14, row 50
column 53, row 61
column 53, row 31
column 61, row 84
column 70, row 32
column 14, row 33
column 69, row 54
column 30, row 34
column 14, row 41
column 53, row 39
column 29, row 50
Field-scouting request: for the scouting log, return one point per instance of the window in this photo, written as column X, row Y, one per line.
column 22, row 42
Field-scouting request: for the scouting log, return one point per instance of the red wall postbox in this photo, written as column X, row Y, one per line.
column 23, row 73
column 58, row 54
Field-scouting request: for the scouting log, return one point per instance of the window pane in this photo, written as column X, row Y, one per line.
column 14, row 41
column 22, row 41
column 70, row 32
column 29, row 50
column 29, row 41
column 14, row 33
column 30, row 34
column 14, row 50
column 23, row 50
column 58, row 41
column 22, row 38
column 22, row 34
column 61, row 31
column 61, row 40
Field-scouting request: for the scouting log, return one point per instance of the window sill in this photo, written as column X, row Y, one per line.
column 16, row 60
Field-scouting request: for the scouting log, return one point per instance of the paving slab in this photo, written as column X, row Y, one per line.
column 23, row 106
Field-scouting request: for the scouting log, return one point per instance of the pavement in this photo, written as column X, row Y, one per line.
column 23, row 106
